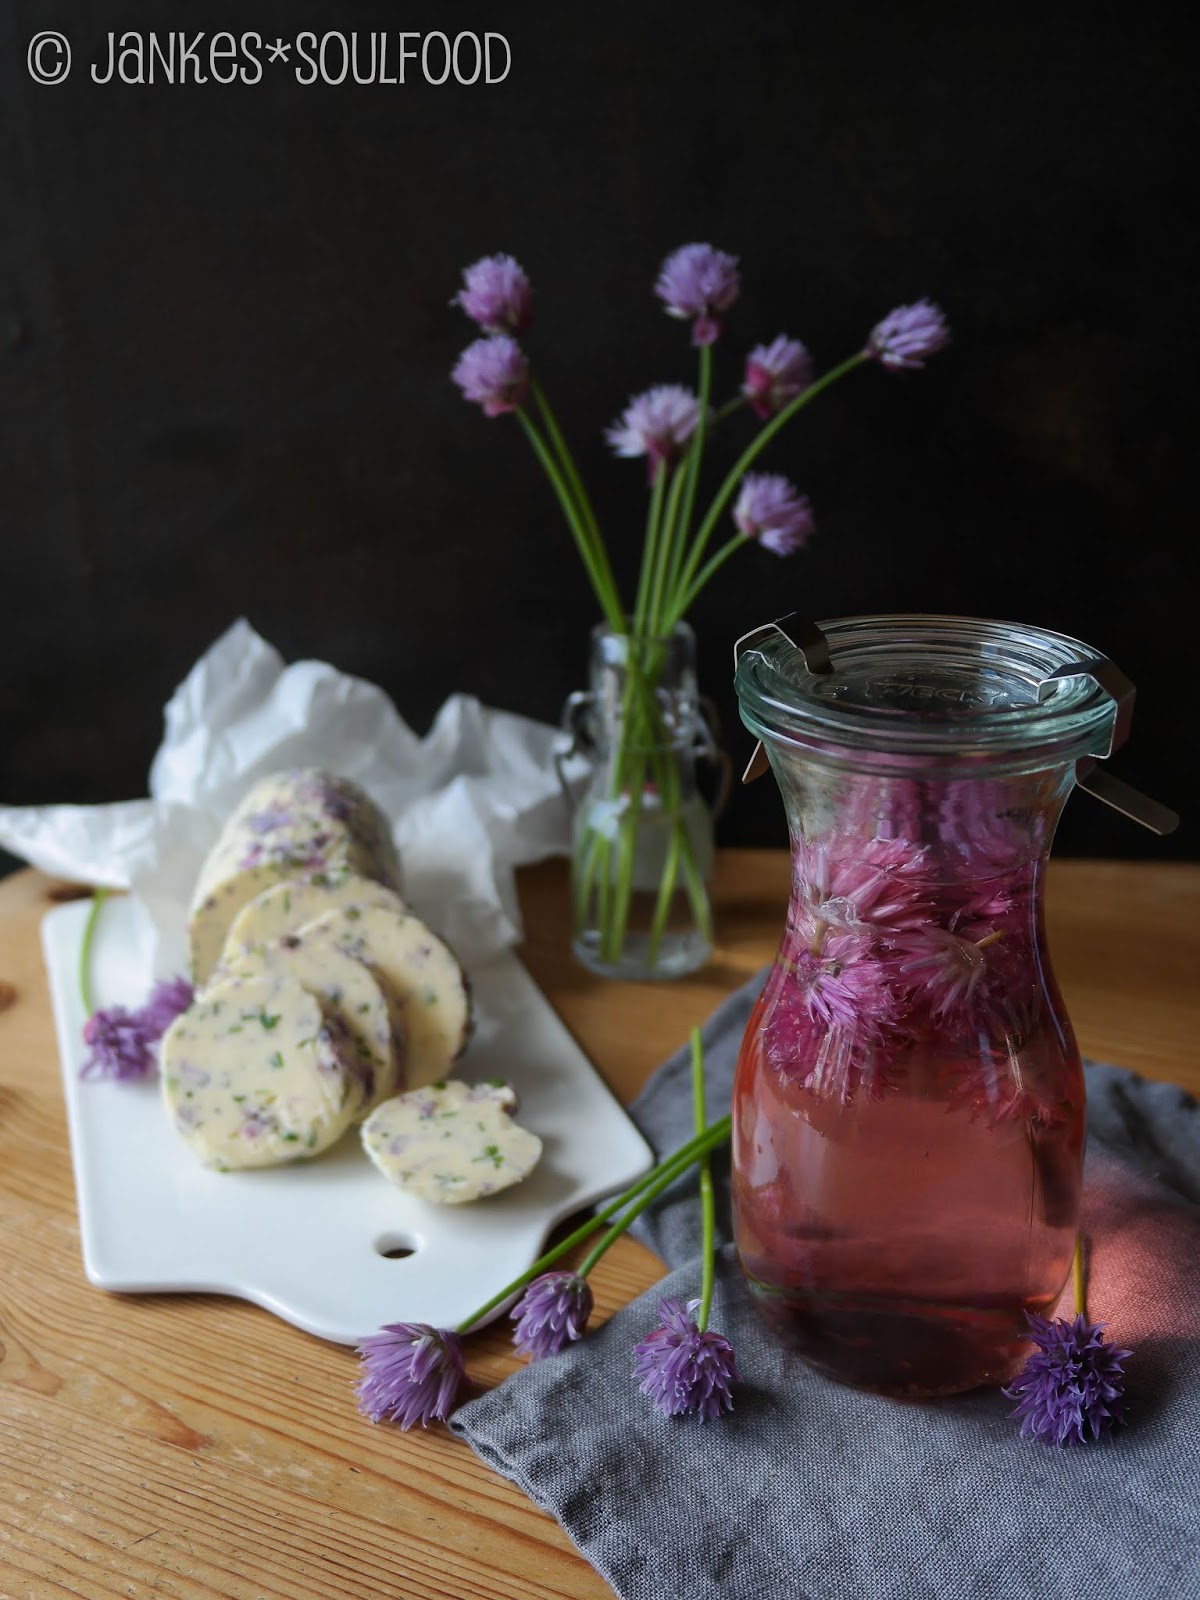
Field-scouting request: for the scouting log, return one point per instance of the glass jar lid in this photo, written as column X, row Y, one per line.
column 907, row 691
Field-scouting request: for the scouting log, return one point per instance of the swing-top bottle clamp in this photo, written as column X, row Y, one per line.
column 805, row 636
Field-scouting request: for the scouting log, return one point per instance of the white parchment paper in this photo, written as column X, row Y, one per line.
column 474, row 798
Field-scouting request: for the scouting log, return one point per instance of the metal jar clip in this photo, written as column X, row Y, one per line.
column 812, row 645
column 1096, row 780
column 804, row 635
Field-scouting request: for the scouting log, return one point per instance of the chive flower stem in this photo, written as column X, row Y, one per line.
column 650, row 548
column 695, row 455
column 707, row 1199
column 647, row 1188
column 716, row 561
column 575, row 482
column 602, row 584
column 664, row 554
column 99, row 896
column 751, row 453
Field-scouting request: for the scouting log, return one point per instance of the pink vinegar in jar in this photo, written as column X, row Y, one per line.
column 898, row 1242
column 908, row 1107
column 908, row 1114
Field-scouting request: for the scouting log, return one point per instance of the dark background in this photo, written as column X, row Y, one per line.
column 225, row 340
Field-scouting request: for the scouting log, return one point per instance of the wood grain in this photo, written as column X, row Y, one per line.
column 195, row 1447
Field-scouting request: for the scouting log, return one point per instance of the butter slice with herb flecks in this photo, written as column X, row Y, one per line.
column 290, row 906
column 301, row 824
column 418, row 970
column 253, row 1075
column 451, row 1142
column 369, row 1021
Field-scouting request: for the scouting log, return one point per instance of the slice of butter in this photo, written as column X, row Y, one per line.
column 300, row 824
column 369, row 1023
column 288, row 907
column 253, row 1075
column 451, row 1142
column 418, row 970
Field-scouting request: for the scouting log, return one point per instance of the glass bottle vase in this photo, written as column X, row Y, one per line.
column 908, row 1122
column 642, row 844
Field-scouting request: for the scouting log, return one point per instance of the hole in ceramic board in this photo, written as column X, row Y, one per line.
column 396, row 1246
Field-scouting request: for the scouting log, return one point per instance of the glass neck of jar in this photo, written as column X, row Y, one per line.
column 952, row 830
column 643, row 693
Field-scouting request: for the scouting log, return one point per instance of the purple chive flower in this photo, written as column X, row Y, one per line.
column 698, row 283
column 1073, row 1387
column 120, row 1044
column 944, row 968
column 989, row 1087
column 770, row 510
column 656, row 424
column 553, row 1311
column 835, row 1063
column 776, row 373
column 847, row 985
column 122, row 1041
column 410, row 1373
column 494, row 374
column 682, row 1369
column 169, row 998
column 907, row 336
column 879, row 878
column 497, row 295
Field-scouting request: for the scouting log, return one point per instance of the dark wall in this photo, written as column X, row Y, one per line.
column 225, row 339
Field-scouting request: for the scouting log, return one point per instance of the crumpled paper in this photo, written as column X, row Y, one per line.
column 475, row 798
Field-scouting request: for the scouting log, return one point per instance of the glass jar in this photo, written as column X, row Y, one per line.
column 642, row 844
column 909, row 1105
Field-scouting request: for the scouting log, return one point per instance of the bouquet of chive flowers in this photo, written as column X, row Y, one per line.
column 640, row 858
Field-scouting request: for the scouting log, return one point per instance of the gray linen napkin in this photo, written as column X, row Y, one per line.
column 811, row 1491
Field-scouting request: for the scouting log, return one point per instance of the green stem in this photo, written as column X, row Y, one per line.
column 703, row 577
column 672, row 585
column 648, row 1196
column 1077, row 1277
column 657, row 1179
column 707, row 1200
column 628, row 775
column 613, row 935
column 99, row 896
column 577, row 487
column 751, row 453
column 650, row 546
column 602, row 584
column 643, row 742
column 604, row 898
column 567, row 462
column 694, row 458
column 583, row 876
column 668, row 543
column 666, row 893
column 640, row 751
column 697, row 894
column 728, row 409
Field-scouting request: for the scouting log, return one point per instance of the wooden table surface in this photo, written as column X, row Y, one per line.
column 194, row 1446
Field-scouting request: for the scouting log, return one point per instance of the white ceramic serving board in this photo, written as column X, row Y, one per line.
column 307, row 1241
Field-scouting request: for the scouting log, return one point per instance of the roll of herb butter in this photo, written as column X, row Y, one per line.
column 305, row 825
